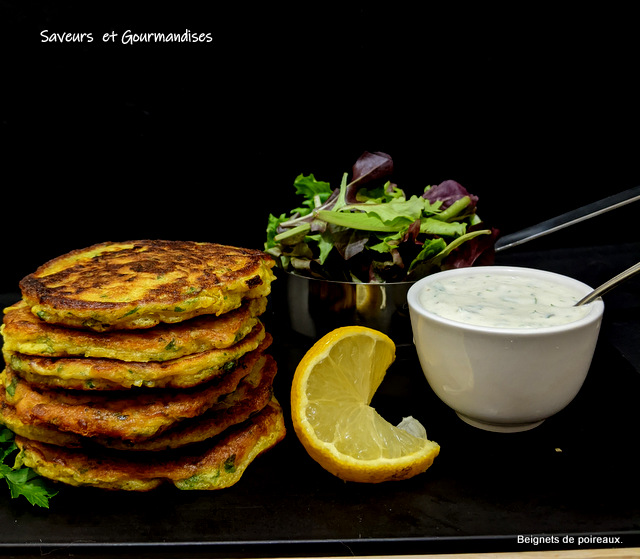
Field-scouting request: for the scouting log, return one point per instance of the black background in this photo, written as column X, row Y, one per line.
column 534, row 109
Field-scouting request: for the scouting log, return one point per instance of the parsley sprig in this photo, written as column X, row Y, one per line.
column 20, row 479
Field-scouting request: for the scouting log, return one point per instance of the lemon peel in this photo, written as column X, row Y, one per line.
column 331, row 394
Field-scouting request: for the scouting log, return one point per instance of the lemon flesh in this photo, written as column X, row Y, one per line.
column 331, row 393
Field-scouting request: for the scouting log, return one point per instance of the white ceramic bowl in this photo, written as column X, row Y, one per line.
column 504, row 379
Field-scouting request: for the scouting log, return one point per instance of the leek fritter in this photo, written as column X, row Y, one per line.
column 86, row 373
column 214, row 464
column 23, row 332
column 138, row 284
column 252, row 394
column 139, row 415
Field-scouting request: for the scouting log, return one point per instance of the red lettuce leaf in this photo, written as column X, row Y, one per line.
column 448, row 192
column 479, row 251
column 368, row 167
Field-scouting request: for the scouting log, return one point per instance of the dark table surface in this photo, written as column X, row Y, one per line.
column 575, row 476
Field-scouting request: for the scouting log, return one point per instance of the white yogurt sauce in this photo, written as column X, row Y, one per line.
column 503, row 301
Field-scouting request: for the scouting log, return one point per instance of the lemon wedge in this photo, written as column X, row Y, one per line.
column 331, row 394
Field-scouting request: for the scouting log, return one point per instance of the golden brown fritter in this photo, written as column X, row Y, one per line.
column 138, row 284
column 214, row 464
column 23, row 332
column 132, row 364
column 252, row 394
column 141, row 414
column 87, row 373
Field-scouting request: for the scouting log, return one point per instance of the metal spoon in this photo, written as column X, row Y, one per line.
column 609, row 285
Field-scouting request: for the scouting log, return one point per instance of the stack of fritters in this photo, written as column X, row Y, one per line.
column 132, row 364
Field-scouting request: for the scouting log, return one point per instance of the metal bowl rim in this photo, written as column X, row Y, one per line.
column 373, row 284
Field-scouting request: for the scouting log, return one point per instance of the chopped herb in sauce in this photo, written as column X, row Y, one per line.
column 502, row 301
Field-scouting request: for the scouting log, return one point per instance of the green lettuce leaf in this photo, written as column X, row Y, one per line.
column 369, row 230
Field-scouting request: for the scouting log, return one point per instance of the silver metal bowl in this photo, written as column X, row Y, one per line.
column 315, row 306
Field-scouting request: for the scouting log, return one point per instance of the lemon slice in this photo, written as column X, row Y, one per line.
column 330, row 406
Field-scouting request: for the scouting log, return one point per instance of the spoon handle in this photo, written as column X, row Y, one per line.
column 607, row 286
column 570, row 218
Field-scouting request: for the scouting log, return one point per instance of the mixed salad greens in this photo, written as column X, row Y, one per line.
column 368, row 230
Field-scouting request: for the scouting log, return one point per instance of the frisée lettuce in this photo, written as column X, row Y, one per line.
column 368, row 230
